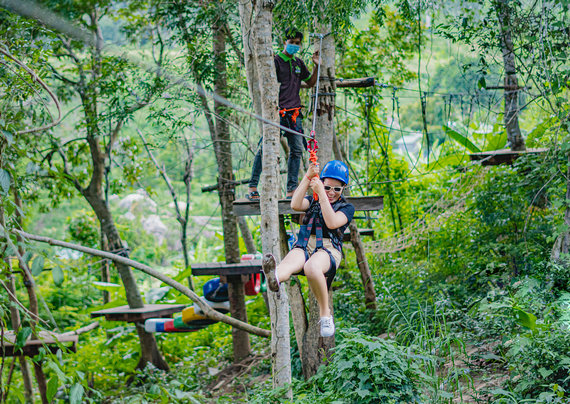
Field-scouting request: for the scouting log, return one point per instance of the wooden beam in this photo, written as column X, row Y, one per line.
column 221, row 268
column 211, row 188
column 125, row 313
column 243, row 207
column 503, row 156
column 356, row 83
column 50, row 340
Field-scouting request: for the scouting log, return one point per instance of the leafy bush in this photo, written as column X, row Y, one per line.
column 539, row 362
column 365, row 370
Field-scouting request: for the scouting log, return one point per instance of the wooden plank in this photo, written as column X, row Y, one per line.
column 125, row 313
column 243, row 207
column 503, row 156
column 221, row 268
column 46, row 339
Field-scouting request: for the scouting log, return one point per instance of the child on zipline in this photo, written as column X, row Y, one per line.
column 318, row 249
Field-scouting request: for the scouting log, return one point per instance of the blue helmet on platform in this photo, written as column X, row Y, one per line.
column 216, row 291
column 337, row 170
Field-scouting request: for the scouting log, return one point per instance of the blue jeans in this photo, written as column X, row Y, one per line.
column 297, row 144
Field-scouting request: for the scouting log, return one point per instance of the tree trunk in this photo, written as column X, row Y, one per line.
column 298, row 312
column 268, row 88
column 316, row 348
column 149, row 347
column 511, row 116
column 562, row 243
column 324, row 127
column 33, row 299
column 105, row 267
column 226, row 191
column 246, row 17
column 246, row 235
column 41, row 380
column 15, row 317
column 188, row 175
column 362, row 262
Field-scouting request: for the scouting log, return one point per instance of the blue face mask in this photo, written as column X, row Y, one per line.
column 291, row 49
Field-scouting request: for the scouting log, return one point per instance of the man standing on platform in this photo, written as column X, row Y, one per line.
column 291, row 72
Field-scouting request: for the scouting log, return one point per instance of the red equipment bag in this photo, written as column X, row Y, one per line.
column 253, row 285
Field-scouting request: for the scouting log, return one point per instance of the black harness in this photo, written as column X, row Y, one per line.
column 314, row 217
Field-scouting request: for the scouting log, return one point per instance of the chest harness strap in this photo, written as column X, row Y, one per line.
column 303, row 241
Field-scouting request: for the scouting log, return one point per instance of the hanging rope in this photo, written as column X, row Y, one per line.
column 312, row 145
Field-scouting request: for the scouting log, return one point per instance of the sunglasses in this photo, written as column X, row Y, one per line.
column 336, row 189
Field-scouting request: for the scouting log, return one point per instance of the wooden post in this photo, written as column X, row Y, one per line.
column 240, row 338
column 362, row 263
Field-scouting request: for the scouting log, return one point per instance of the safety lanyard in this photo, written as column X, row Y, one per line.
column 312, row 145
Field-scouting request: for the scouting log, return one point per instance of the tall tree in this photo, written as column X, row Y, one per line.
column 316, row 348
column 23, row 114
column 108, row 98
column 261, row 28
column 511, row 115
column 226, row 187
column 203, row 29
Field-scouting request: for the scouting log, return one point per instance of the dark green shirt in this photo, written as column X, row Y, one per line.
column 290, row 72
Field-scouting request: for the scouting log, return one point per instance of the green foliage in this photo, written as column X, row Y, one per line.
column 363, row 369
column 461, row 139
column 83, row 228
column 481, row 276
column 367, row 369
column 389, row 40
column 303, row 15
column 539, row 362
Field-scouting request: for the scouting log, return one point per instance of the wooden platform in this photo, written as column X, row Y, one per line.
column 46, row 339
column 125, row 313
column 243, row 207
column 221, row 268
column 503, row 156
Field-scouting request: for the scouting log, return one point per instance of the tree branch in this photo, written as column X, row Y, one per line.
column 165, row 177
column 15, row 300
column 82, row 330
column 233, row 44
column 37, row 79
column 207, row 310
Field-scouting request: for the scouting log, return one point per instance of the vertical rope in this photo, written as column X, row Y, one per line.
column 312, row 142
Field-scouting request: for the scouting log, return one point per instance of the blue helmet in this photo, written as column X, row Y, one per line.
column 216, row 291
column 337, row 170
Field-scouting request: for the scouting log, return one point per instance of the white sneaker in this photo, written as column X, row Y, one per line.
column 327, row 327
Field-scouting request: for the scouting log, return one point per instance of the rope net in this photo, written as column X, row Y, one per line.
column 449, row 204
